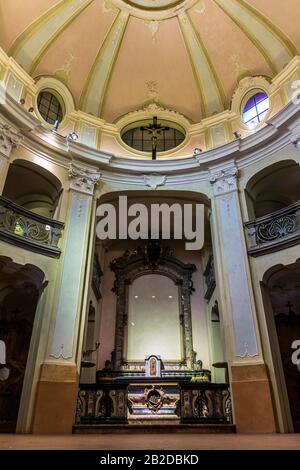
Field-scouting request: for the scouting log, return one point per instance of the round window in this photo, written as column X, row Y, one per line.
column 158, row 134
column 256, row 109
column 50, row 107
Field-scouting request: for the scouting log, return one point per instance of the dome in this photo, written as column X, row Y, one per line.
column 119, row 56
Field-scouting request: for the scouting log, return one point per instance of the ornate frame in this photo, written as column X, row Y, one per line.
column 134, row 264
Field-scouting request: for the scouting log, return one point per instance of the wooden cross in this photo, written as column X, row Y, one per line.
column 154, row 129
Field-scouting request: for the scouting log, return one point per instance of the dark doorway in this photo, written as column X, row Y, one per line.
column 283, row 287
column 20, row 288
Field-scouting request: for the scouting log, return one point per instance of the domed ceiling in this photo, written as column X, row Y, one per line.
column 115, row 56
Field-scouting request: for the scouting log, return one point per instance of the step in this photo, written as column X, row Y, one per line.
column 154, row 428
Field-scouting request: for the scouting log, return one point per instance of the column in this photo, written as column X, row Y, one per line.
column 10, row 138
column 250, row 385
column 57, row 388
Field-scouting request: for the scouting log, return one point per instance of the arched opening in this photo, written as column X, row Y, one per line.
column 20, row 289
column 116, row 248
column 153, row 330
column 281, row 289
column 273, row 188
column 33, row 187
column 153, row 319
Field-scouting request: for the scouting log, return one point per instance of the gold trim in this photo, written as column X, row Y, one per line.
column 204, row 110
column 218, row 84
column 89, row 82
column 40, row 23
column 281, row 36
column 250, row 35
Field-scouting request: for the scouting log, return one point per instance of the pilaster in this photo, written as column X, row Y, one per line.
column 65, row 342
column 10, row 138
column 249, row 377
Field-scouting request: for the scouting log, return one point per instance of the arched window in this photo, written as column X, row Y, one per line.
column 256, row 109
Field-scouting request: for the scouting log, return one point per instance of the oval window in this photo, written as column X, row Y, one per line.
column 256, row 109
column 50, row 107
column 160, row 133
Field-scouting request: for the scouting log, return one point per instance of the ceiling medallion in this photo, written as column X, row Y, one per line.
column 154, row 9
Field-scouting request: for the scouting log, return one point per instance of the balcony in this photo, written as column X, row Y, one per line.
column 275, row 231
column 28, row 230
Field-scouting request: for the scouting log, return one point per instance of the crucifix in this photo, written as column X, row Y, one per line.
column 154, row 129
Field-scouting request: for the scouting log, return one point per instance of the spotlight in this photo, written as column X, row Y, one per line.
column 31, row 109
column 197, row 151
column 73, row 136
column 237, row 135
column 56, row 125
column 22, row 101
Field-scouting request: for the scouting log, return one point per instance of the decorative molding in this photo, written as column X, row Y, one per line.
column 245, row 88
column 157, row 10
column 154, row 181
column 153, row 26
column 28, row 230
column 241, row 70
column 92, row 97
column 224, row 181
column 10, row 138
column 61, row 355
column 275, row 231
column 272, row 43
column 205, row 403
column 153, row 107
column 152, row 258
column 210, row 90
column 31, row 45
column 83, row 179
column 63, row 94
column 63, row 73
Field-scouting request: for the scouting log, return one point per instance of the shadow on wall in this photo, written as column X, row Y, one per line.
column 33, row 187
column 282, row 305
column 20, row 289
column 273, row 188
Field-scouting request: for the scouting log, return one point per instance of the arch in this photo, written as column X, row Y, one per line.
column 281, row 298
column 267, row 191
column 21, row 287
column 33, row 187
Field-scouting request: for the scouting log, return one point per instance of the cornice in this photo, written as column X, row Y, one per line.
column 280, row 131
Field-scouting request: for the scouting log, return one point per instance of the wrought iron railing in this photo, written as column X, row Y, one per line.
column 24, row 228
column 274, row 231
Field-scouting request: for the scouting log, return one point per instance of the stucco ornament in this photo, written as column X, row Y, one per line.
column 83, row 179
column 154, row 181
column 9, row 138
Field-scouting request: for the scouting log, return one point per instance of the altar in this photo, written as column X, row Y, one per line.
column 154, row 376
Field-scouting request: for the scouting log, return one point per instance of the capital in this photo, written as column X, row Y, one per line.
column 83, row 179
column 223, row 181
column 10, row 138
